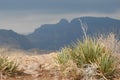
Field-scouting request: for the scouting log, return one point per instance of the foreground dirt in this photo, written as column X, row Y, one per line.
column 40, row 67
column 35, row 67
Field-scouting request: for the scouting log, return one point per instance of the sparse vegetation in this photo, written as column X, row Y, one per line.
column 63, row 56
column 7, row 67
column 110, row 42
column 90, row 51
column 106, row 65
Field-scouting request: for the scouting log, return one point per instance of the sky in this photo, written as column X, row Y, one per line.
column 24, row 16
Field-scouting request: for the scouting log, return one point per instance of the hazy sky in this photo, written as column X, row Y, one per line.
column 24, row 16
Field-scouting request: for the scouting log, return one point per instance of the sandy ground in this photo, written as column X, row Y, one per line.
column 35, row 67
column 38, row 67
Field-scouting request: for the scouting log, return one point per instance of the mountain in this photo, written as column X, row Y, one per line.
column 9, row 38
column 55, row 36
column 52, row 36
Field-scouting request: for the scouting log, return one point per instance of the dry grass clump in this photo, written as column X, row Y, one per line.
column 106, row 66
column 7, row 67
column 110, row 42
column 89, row 52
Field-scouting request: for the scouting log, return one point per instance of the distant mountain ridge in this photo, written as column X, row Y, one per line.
column 9, row 38
column 56, row 36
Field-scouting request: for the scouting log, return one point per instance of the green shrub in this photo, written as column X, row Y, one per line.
column 7, row 67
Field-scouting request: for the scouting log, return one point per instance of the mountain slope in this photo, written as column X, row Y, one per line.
column 55, row 36
column 9, row 38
